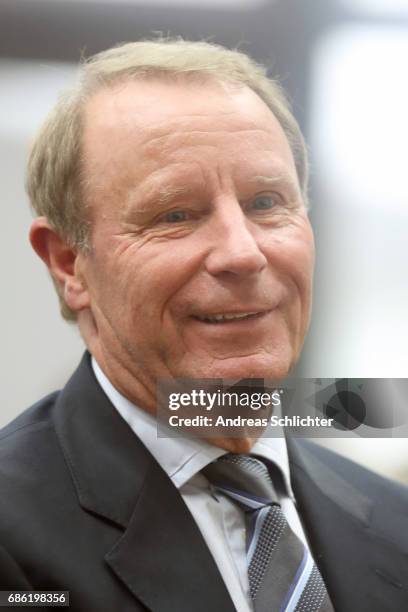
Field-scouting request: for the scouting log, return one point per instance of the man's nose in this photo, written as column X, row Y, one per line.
column 235, row 248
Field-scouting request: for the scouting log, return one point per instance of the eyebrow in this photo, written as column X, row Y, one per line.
column 161, row 197
column 279, row 179
column 168, row 194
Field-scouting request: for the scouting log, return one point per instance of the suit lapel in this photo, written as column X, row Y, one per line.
column 161, row 556
column 363, row 568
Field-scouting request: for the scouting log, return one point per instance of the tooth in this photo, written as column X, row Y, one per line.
column 226, row 317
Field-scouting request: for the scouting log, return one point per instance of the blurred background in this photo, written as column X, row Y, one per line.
column 343, row 64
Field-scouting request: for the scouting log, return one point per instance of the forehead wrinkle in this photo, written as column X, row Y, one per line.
column 226, row 119
column 158, row 139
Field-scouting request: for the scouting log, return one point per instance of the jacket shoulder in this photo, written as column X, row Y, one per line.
column 29, row 457
column 309, row 455
column 371, row 499
column 35, row 417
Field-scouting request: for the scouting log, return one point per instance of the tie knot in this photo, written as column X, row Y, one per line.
column 243, row 478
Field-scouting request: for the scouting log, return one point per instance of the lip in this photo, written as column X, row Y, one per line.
column 256, row 315
column 211, row 312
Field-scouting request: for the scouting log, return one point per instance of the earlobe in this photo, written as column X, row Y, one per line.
column 62, row 261
column 76, row 294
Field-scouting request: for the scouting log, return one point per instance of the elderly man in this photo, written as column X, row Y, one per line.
column 170, row 187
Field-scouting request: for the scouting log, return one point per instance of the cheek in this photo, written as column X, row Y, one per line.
column 302, row 266
column 292, row 255
column 135, row 282
column 112, row 282
column 169, row 265
column 306, row 255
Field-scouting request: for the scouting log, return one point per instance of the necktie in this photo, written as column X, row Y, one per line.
column 282, row 574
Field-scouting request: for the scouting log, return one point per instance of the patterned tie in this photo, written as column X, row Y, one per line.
column 282, row 574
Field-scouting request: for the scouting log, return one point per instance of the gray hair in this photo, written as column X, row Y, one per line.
column 55, row 182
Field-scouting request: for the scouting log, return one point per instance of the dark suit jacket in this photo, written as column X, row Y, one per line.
column 84, row 507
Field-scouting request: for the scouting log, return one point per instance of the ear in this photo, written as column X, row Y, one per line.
column 63, row 262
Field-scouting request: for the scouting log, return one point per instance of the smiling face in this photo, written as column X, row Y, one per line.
column 202, row 252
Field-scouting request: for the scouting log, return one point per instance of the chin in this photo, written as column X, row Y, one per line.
column 249, row 367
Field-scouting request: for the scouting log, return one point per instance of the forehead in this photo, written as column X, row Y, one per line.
column 139, row 126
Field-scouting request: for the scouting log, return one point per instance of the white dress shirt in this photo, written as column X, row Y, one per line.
column 219, row 519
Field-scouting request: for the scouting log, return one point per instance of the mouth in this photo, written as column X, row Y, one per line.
column 222, row 318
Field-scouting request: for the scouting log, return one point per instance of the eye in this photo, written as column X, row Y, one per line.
column 264, row 202
column 175, row 216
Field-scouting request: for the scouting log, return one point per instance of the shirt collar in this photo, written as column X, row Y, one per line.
column 183, row 457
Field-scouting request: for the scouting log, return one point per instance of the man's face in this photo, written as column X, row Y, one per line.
column 202, row 252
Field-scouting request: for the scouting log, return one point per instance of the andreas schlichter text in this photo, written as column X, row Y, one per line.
column 239, row 421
